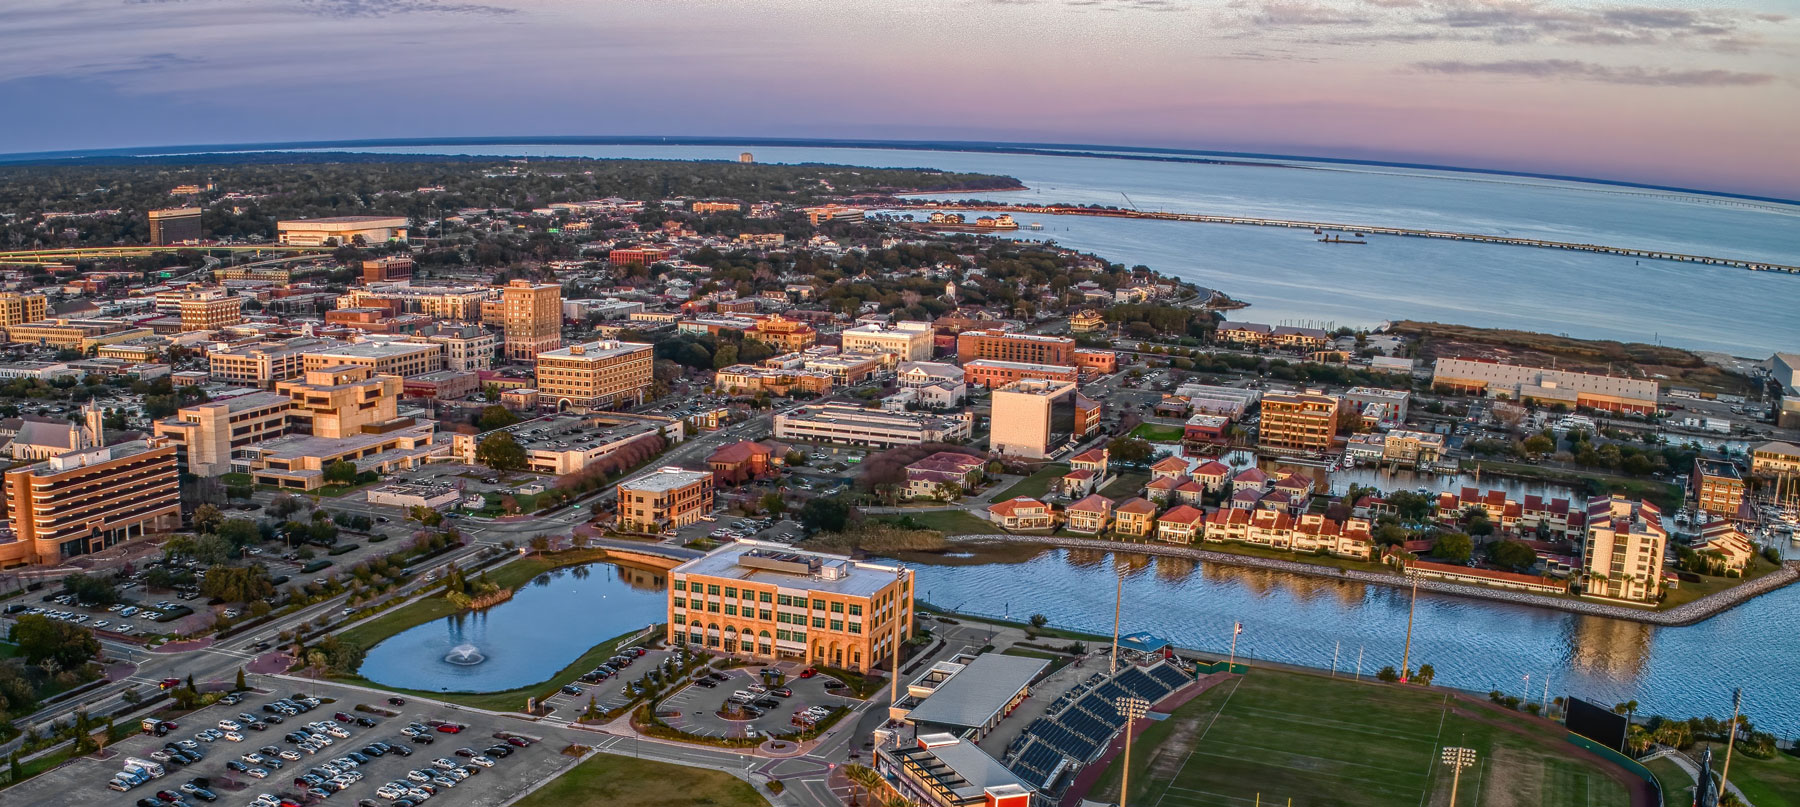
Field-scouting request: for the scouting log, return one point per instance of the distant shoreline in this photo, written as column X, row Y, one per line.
column 1087, row 150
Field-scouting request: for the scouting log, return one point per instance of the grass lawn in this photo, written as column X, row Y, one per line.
column 1035, row 485
column 606, row 780
column 1689, row 592
column 1125, row 485
column 1275, row 735
column 1158, row 433
column 513, row 699
column 1766, row 782
column 1677, row 785
column 950, row 522
column 9, row 650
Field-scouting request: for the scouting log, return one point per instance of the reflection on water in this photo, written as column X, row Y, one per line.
column 545, row 626
column 1475, row 645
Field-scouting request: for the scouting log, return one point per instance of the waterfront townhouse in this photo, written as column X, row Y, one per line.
column 1775, row 460
column 1135, row 517
column 1021, row 513
column 1087, row 473
column 926, row 478
column 1622, row 557
column 1299, row 338
column 668, row 498
column 1553, row 516
column 1182, row 524
column 1723, row 537
column 1091, row 516
column 767, row 602
column 1212, row 475
column 1251, row 478
column 1297, row 423
column 853, row 425
column 1249, row 334
column 1452, row 508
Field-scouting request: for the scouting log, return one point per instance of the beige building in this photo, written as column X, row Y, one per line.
column 87, row 500
column 264, row 364
column 341, row 230
column 1623, row 556
column 18, row 309
column 1775, row 459
column 854, row 425
column 206, row 435
column 769, row 602
column 666, row 499
column 75, row 334
column 907, row 341
column 383, row 358
column 1301, row 423
column 1412, row 447
column 341, row 401
column 467, row 348
column 210, row 310
column 531, row 318
column 1032, row 418
column 596, row 375
column 1521, row 383
column 460, row 304
column 175, row 225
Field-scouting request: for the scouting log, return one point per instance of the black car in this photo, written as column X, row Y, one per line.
column 203, row 794
column 705, row 682
column 721, row 677
column 200, row 782
column 368, row 803
column 235, row 765
column 360, row 757
column 372, row 751
column 365, row 721
column 148, row 803
column 425, row 739
column 274, row 720
column 766, row 703
column 270, row 708
column 499, row 751
column 396, row 701
column 400, row 749
column 571, row 689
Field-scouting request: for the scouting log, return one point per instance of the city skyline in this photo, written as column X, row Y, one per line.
column 1653, row 92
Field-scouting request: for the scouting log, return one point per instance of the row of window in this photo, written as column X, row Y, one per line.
column 731, row 592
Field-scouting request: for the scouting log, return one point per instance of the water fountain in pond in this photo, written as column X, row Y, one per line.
column 464, row 655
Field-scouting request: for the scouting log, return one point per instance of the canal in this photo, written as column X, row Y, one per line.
column 1473, row 644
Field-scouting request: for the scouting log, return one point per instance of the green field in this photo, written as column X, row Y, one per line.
column 1274, row 736
column 1158, row 433
column 605, row 780
column 1035, row 485
column 949, row 522
column 1766, row 782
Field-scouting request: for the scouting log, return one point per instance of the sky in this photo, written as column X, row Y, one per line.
column 1702, row 93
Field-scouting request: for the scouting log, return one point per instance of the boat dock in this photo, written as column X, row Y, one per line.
column 1630, row 252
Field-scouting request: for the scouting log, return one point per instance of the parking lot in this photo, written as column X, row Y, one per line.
column 84, row 781
column 608, row 693
column 697, row 706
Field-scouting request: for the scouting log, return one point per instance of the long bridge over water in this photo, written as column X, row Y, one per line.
column 1334, row 227
column 62, row 254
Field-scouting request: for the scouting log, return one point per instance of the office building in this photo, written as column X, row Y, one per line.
column 89, row 499
column 992, row 373
column 783, row 333
column 1034, row 418
column 641, row 255
column 387, row 269
column 340, row 401
column 1623, row 556
column 261, row 365
column 907, row 341
column 1298, row 423
column 1717, row 487
column 210, row 310
column 341, row 231
column 596, row 375
column 1014, row 347
column 531, row 319
column 664, row 500
column 206, row 435
column 458, row 304
column 75, row 334
column 175, row 225
column 382, row 358
column 18, row 309
column 467, row 348
column 854, row 425
column 1384, row 408
column 1548, row 386
column 768, row 602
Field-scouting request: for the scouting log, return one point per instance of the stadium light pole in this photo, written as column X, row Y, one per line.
column 1132, row 708
column 1457, row 759
column 1737, row 705
column 899, row 600
column 1406, row 655
column 1231, row 661
column 1118, row 603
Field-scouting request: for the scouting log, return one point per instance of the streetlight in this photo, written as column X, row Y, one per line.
column 1132, row 708
column 1457, row 759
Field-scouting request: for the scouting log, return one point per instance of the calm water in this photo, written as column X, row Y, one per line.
column 551, row 621
column 1287, row 276
column 1475, row 645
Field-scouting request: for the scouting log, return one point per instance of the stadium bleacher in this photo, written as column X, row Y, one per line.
column 1080, row 722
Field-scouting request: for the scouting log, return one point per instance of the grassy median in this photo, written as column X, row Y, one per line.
column 606, row 780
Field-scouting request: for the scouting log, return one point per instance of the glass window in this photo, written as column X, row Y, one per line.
column 713, row 607
column 800, row 636
column 731, row 610
column 763, row 597
column 818, row 622
column 763, row 614
column 681, row 619
column 837, row 607
column 681, row 585
column 731, row 591
column 713, row 590
column 837, row 625
column 818, row 605
column 783, row 635
column 856, row 627
column 680, row 602
column 855, row 610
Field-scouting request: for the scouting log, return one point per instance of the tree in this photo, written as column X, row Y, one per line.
column 40, row 638
column 1130, row 449
column 1424, row 675
column 495, row 417
column 239, row 532
column 829, row 514
column 1388, row 674
column 240, row 685
column 1454, row 547
column 1512, row 554
column 207, row 518
column 284, row 505
column 1039, row 621
column 100, row 590
column 237, row 583
column 425, row 515
column 342, row 472
column 501, row 452
column 773, row 504
column 864, row 777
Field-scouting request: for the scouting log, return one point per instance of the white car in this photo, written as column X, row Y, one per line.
column 234, row 736
column 483, row 761
column 230, row 725
column 259, row 773
column 442, row 764
column 418, row 776
column 290, row 755
column 443, row 781
column 337, row 731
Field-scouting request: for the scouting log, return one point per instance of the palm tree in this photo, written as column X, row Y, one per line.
column 864, row 777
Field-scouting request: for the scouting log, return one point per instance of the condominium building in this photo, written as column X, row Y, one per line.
column 1717, row 487
column 531, row 318
column 210, row 310
column 1412, row 447
column 908, row 341
column 467, row 348
column 1521, row 383
column 175, row 225
column 383, row 358
column 1035, row 417
column 206, row 435
column 89, row 499
column 854, row 425
column 666, row 499
column 18, row 309
column 1015, row 347
column 1301, row 423
column 1623, row 555
column 766, row 601
column 1775, row 459
column 341, row 230
column 460, row 304
column 596, row 375
column 262, row 365
column 1379, row 407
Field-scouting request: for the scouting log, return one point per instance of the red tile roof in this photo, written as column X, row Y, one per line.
column 1183, row 514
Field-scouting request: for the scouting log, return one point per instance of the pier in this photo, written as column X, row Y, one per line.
column 1654, row 254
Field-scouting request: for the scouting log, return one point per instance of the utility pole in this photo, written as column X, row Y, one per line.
column 1406, row 655
column 1457, row 759
column 1737, row 705
column 1132, row 708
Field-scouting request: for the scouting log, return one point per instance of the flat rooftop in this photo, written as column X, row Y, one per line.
column 577, row 433
column 977, row 692
column 375, row 350
column 857, row 579
column 595, row 351
column 367, row 221
column 665, row 479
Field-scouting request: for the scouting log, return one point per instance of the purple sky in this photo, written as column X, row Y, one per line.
column 1702, row 93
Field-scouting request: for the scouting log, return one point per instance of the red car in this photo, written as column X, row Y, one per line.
column 342, row 718
column 518, row 741
column 450, row 728
column 170, row 683
column 808, row 672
